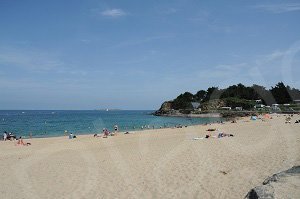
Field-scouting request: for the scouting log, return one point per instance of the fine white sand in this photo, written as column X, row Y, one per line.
column 164, row 163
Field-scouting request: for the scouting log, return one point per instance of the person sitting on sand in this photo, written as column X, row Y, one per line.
column 10, row 136
column 71, row 136
column 22, row 143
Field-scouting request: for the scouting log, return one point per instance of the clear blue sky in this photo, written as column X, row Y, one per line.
column 136, row 54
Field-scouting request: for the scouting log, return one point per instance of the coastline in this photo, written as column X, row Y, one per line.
column 47, row 124
column 202, row 115
column 223, row 114
column 152, row 163
column 138, row 130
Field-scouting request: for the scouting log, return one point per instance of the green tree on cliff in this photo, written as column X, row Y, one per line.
column 183, row 101
column 200, row 95
column 212, row 93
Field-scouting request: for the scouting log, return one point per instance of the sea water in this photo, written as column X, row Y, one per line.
column 50, row 123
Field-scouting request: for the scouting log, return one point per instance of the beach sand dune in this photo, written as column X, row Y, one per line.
column 165, row 163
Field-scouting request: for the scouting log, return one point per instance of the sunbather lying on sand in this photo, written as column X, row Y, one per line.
column 211, row 129
column 220, row 135
column 129, row 132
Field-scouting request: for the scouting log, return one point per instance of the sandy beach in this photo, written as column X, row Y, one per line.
column 164, row 163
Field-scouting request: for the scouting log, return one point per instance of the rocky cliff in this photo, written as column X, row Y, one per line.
column 165, row 108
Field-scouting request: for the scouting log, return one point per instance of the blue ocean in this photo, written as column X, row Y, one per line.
column 51, row 123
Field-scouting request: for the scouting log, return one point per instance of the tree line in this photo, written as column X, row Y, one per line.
column 239, row 95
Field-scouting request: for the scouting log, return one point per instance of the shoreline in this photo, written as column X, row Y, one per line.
column 139, row 130
column 202, row 115
column 90, row 134
column 46, row 124
column 152, row 163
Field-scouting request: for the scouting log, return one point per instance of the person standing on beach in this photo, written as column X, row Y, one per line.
column 116, row 129
column 5, row 136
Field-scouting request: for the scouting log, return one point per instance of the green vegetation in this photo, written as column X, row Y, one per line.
column 239, row 102
column 236, row 96
column 183, row 101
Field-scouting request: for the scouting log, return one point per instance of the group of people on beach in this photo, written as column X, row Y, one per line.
column 8, row 136
column 107, row 133
column 11, row 136
column 219, row 134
